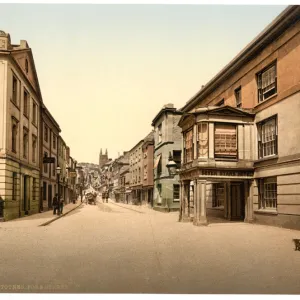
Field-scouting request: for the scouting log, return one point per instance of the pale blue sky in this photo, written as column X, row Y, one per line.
column 106, row 70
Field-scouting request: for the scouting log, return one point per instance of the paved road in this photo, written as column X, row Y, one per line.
column 110, row 249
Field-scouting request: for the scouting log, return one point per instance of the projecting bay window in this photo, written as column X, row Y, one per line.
column 267, row 138
column 202, row 140
column 225, row 141
column 268, row 193
column 188, row 146
column 267, row 83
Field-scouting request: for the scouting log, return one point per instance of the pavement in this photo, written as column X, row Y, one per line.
column 119, row 248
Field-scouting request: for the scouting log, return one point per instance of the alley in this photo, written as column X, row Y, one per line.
column 117, row 248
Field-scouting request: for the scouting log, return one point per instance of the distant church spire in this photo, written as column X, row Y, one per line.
column 100, row 151
column 106, row 151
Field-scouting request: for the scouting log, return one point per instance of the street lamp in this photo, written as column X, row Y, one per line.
column 172, row 166
column 58, row 170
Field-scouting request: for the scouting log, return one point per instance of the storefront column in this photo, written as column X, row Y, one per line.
column 185, row 212
column 229, row 200
column 226, row 200
column 181, row 199
column 201, row 204
column 249, row 201
column 196, row 202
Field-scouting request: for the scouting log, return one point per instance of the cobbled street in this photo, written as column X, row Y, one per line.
column 118, row 248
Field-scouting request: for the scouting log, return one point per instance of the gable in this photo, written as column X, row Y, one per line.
column 229, row 111
column 25, row 62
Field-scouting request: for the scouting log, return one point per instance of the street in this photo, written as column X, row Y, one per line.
column 118, row 248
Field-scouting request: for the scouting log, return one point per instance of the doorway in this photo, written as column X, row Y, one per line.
column 25, row 194
column 237, row 201
column 49, row 196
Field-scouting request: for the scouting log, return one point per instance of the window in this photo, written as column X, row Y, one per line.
column 34, row 112
column 221, row 103
column 46, row 133
column 159, row 191
column 238, row 97
column 218, row 195
column 188, row 146
column 34, row 141
column 267, row 138
column 14, row 186
column 225, row 141
column 14, row 133
column 53, row 170
column 25, row 103
column 267, row 83
column 202, row 140
column 177, row 158
column 268, row 193
column 54, row 141
column 26, row 66
column 45, row 165
column 159, row 167
column 15, row 90
column 25, row 142
column 159, row 133
column 176, row 189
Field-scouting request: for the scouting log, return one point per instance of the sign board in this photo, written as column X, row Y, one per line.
column 73, row 174
column 48, row 160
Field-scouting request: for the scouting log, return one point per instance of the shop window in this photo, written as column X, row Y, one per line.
column 225, row 141
column 267, row 83
column 202, row 140
column 268, row 193
column 188, row 146
column 176, row 190
column 218, row 195
column 267, row 137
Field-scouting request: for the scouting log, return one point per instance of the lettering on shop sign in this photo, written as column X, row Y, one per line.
column 226, row 173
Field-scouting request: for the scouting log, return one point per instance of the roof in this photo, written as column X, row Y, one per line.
column 166, row 108
column 284, row 20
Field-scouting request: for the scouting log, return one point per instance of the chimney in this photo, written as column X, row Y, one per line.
column 5, row 41
column 169, row 105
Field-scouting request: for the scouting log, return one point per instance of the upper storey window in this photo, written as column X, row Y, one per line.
column 267, row 83
column 225, row 141
column 188, row 146
column 159, row 133
column 202, row 139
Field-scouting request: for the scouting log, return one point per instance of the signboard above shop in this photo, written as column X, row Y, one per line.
column 48, row 160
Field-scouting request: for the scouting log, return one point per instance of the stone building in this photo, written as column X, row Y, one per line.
column 20, row 102
column 241, row 133
column 136, row 170
column 49, row 131
column 167, row 141
column 62, row 162
column 148, row 151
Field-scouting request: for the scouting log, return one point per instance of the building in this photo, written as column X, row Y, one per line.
column 136, row 162
column 20, row 102
column 50, row 131
column 148, row 151
column 62, row 163
column 167, row 141
column 241, row 133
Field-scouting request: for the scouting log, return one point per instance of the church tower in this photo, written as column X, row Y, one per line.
column 103, row 158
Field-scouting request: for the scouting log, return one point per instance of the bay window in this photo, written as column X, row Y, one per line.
column 188, row 146
column 202, row 140
column 225, row 141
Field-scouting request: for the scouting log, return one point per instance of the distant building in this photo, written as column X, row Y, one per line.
column 103, row 158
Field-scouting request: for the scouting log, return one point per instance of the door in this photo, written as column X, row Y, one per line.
column 25, row 194
column 237, row 202
column 49, row 196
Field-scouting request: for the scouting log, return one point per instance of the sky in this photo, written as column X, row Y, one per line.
column 105, row 71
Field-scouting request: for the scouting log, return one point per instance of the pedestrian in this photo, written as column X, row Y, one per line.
column 106, row 196
column 55, row 203
column 61, row 205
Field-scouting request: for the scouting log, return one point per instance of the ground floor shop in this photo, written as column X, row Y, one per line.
column 147, row 196
column 19, row 186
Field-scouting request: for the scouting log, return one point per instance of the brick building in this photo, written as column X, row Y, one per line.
column 241, row 134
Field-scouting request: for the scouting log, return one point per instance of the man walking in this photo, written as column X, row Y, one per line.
column 55, row 203
column 61, row 205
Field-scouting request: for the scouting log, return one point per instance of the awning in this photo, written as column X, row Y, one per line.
column 157, row 161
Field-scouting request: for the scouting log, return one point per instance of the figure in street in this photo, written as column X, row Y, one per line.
column 61, row 205
column 55, row 203
column 106, row 196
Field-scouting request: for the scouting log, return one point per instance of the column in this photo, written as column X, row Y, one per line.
column 185, row 216
column 246, row 197
column 201, row 203
column 181, row 210
column 226, row 200
column 196, row 202
column 250, row 201
column 229, row 201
